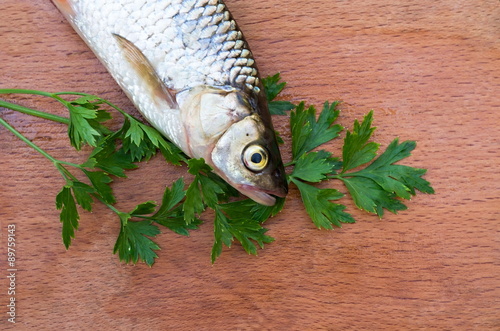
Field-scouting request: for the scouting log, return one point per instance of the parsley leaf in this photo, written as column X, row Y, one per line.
column 314, row 166
column 79, row 129
column 273, row 87
column 242, row 220
column 280, row 107
column 369, row 196
column 93, row 102
column 307, row 133
column 69, row 215
column 144, row 208
column 248, row 208
column 170, row 213
column 106, row 157
column 245, row 230
column 357, row 150
column 194, row 202
column 238, row 220
column 376, row 188
column 100, row 181
column 141, row 142
column 171, row 198
column 323, row 213
column 83, row 194
column 380, row 184
column 207, row 189
column 133, row 242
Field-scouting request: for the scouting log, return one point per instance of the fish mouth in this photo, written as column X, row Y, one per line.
column 264, row 197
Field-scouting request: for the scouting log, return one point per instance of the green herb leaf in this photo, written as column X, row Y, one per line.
column 211, row 191
column 144, row 208
column 249, row 209
column 280, row 107
column 170, row 213
column 207, row 189
column 69, row 215
column 405, row 178
column 135, row 132
column 272, row 86
column 193, row 205
column 246, row 231
column 171, row 198
column 94, row 103
column 80, row 130
column 323, row 213
column 378, row 185
column 197, row 165
column 309, row 133
column 314, row 166
column 90, row 101
column 133, row 242
column 357, row 150
column 83, row 194
column 172, row 153
column 142, row 141
column 106, row 157
column 100, row 180
column 370, row 197
column 177, row 223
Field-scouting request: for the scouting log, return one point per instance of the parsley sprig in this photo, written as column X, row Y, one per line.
column 113, row 153
column 375, row 183
column 380, row 185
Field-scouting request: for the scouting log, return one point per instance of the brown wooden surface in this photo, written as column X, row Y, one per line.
column 431, row 72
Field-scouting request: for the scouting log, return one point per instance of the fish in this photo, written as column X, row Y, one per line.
column 188, row 69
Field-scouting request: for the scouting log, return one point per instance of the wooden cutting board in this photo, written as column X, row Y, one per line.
column 431, row 73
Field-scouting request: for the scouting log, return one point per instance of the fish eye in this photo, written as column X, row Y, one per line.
column 255, row 157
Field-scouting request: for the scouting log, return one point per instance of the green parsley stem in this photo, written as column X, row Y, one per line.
column 97, row 98
column 33, row 112
column 75, row 93
column 68, row 176
column 289, row 163
column 149, row 218
column 33, row 92
column 70, row 164
column 116, row 211
column 58, row 164
column 98, row 197
column 27, row 141
column 115, row 107
column 23, row 91
column 42, row 93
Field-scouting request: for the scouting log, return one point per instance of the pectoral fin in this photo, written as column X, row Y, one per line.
column 145, row 70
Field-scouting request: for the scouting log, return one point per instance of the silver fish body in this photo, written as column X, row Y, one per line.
column 188, row 69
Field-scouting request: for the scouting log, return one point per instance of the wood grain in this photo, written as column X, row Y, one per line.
column 429, row 70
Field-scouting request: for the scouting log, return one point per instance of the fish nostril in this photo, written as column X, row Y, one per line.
column 281, row 179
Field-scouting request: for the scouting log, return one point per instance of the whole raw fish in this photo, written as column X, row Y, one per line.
column 189, row 71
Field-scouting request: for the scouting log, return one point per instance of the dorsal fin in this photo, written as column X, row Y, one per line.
column 65, row 7
column 144, row 68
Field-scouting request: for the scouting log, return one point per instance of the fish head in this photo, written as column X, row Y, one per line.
column 248, row 158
